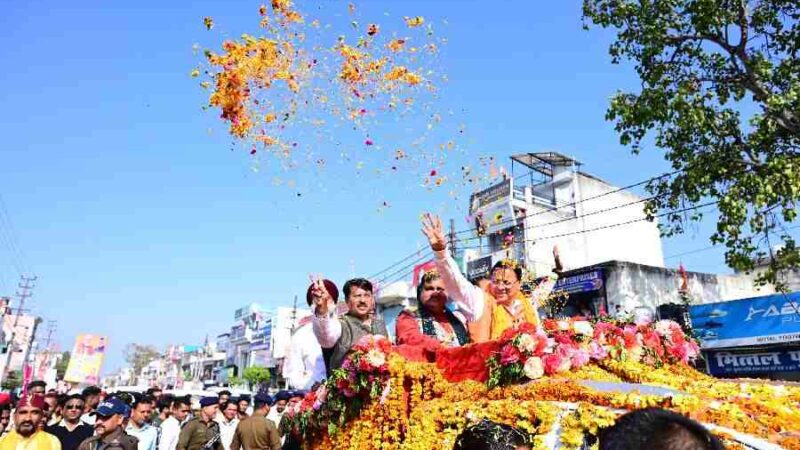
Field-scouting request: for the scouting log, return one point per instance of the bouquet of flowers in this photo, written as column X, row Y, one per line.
column 529, row 352
column 363, row 376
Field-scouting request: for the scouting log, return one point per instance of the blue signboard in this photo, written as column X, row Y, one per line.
column 739, row 363
column 584, row 282
column 772, row 319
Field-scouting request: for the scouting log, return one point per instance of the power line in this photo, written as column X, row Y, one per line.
column 577, row 202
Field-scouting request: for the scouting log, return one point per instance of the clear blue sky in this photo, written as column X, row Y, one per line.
column 144, row 227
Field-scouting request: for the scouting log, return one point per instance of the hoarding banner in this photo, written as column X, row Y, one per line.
column 738, row 363
column 772, row 319
column 499, row 191
column 479, row 267
column 86, row 359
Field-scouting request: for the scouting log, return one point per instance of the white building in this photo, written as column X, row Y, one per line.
column 23, row 330
column 548, row 201
column 612, row 255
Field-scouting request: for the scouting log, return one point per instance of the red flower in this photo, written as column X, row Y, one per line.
column 509, row 354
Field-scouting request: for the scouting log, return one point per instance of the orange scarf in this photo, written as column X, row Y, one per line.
column 496, row 318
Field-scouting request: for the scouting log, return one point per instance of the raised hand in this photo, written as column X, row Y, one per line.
column 319, row 296
column 432, row 229
column 557, row 258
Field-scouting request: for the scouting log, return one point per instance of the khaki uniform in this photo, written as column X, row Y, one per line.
column 256, row 433
column 117, row 440
column 196, row 434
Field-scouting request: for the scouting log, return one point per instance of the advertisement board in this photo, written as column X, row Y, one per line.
column 772, row 319
column 86, row 359
column 753, row 362
column 582, row 282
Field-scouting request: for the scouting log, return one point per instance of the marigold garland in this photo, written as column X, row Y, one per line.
column 381, row 401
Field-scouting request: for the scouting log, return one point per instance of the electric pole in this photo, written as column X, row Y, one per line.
column 26, row 286
column 453, row 238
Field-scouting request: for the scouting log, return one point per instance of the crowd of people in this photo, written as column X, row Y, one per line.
column 93, row 420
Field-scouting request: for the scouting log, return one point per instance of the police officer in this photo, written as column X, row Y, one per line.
column 109, row 433
column 202, row 432
column 257, row 432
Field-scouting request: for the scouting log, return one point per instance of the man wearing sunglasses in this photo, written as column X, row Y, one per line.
column 108, row 427
column 71, row 431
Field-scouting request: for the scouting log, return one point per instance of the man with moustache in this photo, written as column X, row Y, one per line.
column 26, row 434
column 109, row 433
column 341, row 334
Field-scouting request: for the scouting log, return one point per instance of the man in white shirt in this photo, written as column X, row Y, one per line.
column 171, row 428
column 276, row 412
column 228, row 421
column 305, row 364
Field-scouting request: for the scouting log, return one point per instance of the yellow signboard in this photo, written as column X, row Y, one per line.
column 86, row 359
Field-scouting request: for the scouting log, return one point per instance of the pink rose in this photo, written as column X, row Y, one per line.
column 580, row 358
column 554, row 363
column 597, row 351
column 509, row 354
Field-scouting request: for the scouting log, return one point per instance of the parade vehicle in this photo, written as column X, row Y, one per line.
column 559, row 383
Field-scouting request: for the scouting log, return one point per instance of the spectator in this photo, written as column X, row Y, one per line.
column 488, row 435
column 243, row 403
column 37, row 387
column 5, row 417
column 281, row 399
column 70, row 431
column 162, row 411
column 138, row 425
column 53, row 411
column 228, row 423
column 26, row 434
column 91, row 397
column 171, row 427
column 657, row 429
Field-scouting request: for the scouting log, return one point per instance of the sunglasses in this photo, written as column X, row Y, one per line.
column 73, row 406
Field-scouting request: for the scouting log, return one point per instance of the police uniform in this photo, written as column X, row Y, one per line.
column 200, row 435
column 117, row 440
column 257, row 432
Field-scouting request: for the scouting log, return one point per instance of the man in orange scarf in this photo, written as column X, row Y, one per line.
column 26, row 433
column 502, row 305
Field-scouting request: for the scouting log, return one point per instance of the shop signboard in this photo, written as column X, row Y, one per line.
column 772, row 319
column 753, row 362
column 582, row 282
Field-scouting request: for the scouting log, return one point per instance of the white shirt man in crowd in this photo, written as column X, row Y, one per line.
column 171, row 428
column 305, row 363
column 228, row 420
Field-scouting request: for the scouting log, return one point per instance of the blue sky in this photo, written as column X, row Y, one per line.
column 145, row 227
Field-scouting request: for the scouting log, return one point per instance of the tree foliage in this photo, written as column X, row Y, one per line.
column 138, row 356
column 256, row 376
column 13, row 380
column 62, row 364
column 720, row 94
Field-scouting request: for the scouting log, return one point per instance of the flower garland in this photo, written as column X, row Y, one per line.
column 380, row 401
